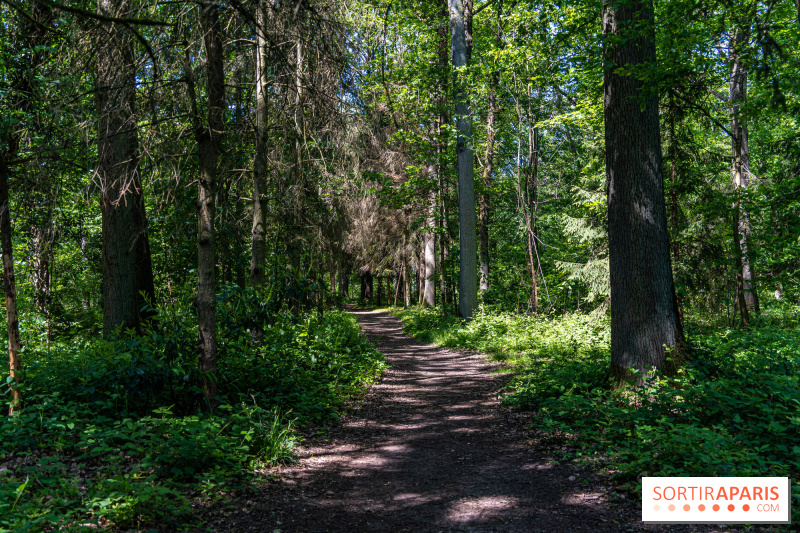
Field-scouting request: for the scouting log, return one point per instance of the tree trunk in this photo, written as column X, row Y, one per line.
column 429, row 265
column 443, row 46
column 531, row 193
column 406, row 284
column 260, row 163
column 208, row 142
column 9, row 284
column 747, row 297
column 675, row 208
column 483, row 204
column 468, row 275
column 127, row 268
column 644, row 317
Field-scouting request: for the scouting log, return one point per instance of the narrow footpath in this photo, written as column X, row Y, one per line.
column 432, row 450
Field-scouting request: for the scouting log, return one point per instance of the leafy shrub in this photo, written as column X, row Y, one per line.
column 111, row 433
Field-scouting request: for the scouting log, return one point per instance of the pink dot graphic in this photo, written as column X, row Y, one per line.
column 716, row 507
column 671, row 507
column 701, row 507
column 731, row 507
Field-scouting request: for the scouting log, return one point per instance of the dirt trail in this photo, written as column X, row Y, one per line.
column 430, row 450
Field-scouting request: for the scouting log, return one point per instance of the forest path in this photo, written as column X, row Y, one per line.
column 430, row 449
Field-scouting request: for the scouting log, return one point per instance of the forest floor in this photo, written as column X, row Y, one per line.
column 430, row 449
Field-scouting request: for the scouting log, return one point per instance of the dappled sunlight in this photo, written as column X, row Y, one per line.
column 468, row 510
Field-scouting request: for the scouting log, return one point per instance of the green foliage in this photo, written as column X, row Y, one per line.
column 112, row 434
column 731, row 411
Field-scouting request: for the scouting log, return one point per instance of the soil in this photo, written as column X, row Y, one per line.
column 430, row 450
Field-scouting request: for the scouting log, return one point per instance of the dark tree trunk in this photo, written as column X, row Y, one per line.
column 674, row 207
column 379, row 294
column 208, row 138
column 9, row 285
column 468, row 271
column 644, row 317
column 127, row 268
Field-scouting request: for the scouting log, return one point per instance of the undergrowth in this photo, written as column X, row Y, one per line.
column 112, row 433
column 733, row 410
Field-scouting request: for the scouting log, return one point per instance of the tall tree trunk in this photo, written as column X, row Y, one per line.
column 260, row 163
column 674, row 207
column 747, row 297
column 644, row 317
column 208, row 142
column 443, row 46
column 483, row 203
column 127, row 267
column 468, row 275
column 531, row 194
column 298, row 173
column 9, row 284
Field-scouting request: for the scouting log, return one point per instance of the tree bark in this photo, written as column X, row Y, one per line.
column 9, row 285
column 127, row 267
column 674, row 207
column 208, row 142
column 644, row 317
column 530, row 205
column 429, row 265
column 468, row 275
column 441, row 147
column 746, row 295
column 484, row 202
column 260, row 162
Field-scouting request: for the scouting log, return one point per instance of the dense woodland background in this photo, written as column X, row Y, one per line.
column 189, row 192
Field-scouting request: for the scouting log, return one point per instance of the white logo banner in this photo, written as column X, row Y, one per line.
column 716, row 500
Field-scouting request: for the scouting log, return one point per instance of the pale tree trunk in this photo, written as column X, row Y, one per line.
column 208, row 141
column 484, row 202
column 260, row 163
column 9, row 284
column 746, row 296
column 127, row 268
column 428, row 266
column 468, row 275
column 421, row 269
column 530, row 207
column 406, row 284
column 443, row 120
column 644, row 317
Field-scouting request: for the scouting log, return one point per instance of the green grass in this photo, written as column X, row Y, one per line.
column 112, row 434
column 733, row 410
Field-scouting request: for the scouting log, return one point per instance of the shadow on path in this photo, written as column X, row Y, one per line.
column 430, row 450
